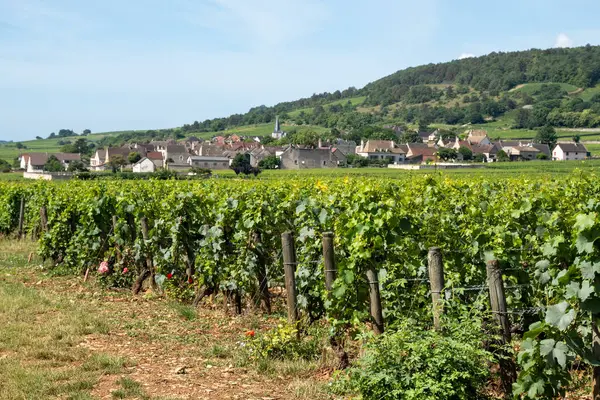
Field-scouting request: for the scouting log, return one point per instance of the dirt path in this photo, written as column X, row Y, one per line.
column 149, row 347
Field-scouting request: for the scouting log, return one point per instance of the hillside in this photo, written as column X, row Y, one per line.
column 559, row 86
column 508, row 94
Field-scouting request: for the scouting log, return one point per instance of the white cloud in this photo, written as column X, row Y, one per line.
column 562, row 40
column 466, row 55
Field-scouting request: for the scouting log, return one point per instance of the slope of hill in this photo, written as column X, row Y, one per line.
column 494, row 72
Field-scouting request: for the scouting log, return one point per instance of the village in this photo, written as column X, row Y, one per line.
column 218, row 153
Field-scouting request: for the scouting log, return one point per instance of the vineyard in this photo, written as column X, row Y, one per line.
column 194, row 239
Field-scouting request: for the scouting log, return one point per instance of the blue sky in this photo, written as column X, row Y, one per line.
column 117, row 65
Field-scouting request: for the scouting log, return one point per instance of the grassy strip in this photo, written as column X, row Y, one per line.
column 40, row 336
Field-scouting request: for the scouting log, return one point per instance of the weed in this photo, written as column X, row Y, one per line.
column 185, row 311
column 219, row 351
column 105, row 363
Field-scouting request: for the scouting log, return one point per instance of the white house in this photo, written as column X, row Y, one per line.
column 381, row 150
column 478, row 137
column 569, row 151
column 34, row 162
column 144, row 165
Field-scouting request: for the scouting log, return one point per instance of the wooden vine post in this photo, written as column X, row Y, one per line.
column 335, row 340
column 44, row 219
column 261, row 274
column 289, row 266
column 596, row 352
column 21, row 217
column 436, row 280
column 375, row 301
column 508, row 372
column 329, row 260
column 148, row 270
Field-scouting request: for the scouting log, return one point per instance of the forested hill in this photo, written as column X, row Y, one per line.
column 490, row 75
column 494, row 72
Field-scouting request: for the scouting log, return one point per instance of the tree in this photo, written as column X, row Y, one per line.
column 21, row 145
column 77, row 166
column 546, row 135
column 240, row 161
column 502, row 156
column 357, row 161
column 66, row 133
column 52, row 135
column 384, row 134
column 86, row 132
column 4, row 166
column 466, row 153
column 542, row 156
column 134, row 157
column 241, row 164
column 38, row 138
column 522, row 118
column 116, row 162
column 80, row 146
column 269, row 162
column 410, row 137
column 474, row 115
column 479, row 158
column 265, row 140
column 576, row 138
column 307, row 137
column 447, row 154
column 53, row 165
column 424, row 125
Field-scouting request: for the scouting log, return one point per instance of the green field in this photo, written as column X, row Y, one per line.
column 354, row 100
column 11, row 176
column 9, row 151
column 492, row 170
column 588, row 93
column 531, row 88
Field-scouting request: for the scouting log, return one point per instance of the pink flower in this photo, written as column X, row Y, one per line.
column 103, row 269
column 125, row 270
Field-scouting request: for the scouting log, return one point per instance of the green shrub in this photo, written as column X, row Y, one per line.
column 414, row 364
column 285, row 342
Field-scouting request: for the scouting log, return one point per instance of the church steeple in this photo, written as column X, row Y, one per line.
column 277, row 127
column 277, row 132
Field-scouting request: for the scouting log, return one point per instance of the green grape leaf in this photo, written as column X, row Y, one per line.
column 585, row 221
column 546, row 346
column 572, row 290
column 560, row 353
column 586, row 290
column 556, row 315
column 536, row 388
column 584, row 245
column 323, row 216
column 534, row 330
column 589, row 270
column 543, row 265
